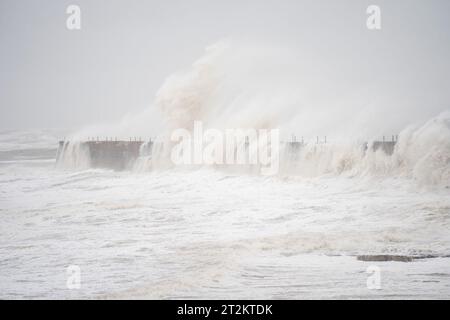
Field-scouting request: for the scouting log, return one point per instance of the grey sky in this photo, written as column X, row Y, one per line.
column 54, row 78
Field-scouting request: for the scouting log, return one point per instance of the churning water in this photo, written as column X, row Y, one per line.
column 206, row 233
column 158, row 231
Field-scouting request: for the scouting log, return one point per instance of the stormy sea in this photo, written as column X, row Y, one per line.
column 341, row 219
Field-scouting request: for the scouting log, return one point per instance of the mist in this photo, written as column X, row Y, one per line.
column 312, row 62
column 276, row 149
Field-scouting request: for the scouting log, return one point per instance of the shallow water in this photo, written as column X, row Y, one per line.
column 211, row 234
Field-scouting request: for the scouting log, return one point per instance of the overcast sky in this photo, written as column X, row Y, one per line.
column 51, row 77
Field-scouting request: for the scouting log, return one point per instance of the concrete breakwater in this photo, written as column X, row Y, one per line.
column 116, row 155
column 386, row 145
column 121, row 154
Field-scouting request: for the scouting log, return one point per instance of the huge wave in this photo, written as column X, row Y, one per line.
column 252, row 87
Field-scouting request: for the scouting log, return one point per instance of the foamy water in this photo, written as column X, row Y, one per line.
column 208, row 233
column 160, row 231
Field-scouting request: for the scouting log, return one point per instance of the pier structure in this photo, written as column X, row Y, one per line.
column 387, row 146
column 109, row 153
column 115, row 154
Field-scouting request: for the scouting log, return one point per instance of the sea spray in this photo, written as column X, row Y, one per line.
column 73, row 155
column 243, row 86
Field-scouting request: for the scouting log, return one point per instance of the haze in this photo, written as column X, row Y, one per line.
column 55, row 78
